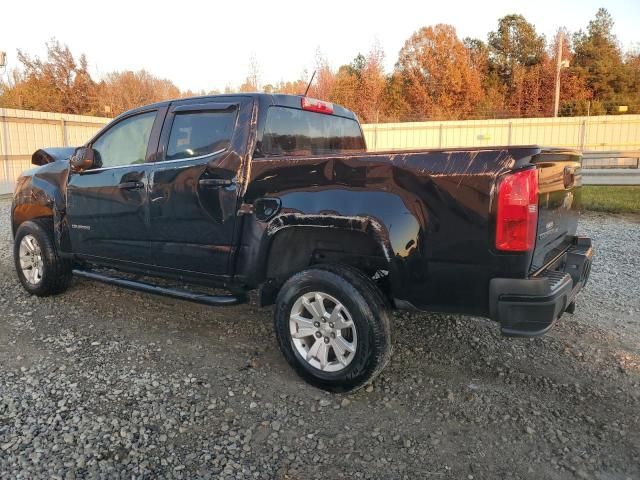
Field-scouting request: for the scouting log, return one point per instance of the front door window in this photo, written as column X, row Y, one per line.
column 126, row 142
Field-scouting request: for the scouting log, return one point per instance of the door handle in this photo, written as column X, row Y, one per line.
column 215, row 182
column 131, row 185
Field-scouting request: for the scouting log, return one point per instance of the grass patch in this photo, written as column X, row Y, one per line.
column 604, row 198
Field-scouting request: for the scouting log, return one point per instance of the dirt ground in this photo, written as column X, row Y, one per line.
column 101, row 382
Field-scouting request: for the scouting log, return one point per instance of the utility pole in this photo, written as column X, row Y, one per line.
column 3, row 63
column 558, row 68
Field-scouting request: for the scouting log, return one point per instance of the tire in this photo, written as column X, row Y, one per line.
column 36, row 236
column 354, row 355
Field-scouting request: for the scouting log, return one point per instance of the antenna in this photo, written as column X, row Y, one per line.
column 309, row 86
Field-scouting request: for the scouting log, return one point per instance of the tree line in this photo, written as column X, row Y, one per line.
column 437, row 76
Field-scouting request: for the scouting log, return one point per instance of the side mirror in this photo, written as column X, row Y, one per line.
column 82, row 159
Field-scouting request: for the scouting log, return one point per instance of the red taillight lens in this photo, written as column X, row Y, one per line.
column 315, row 105
column 517, row 214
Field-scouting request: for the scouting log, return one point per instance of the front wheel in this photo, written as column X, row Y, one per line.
column 332, row 326
column 40, row 268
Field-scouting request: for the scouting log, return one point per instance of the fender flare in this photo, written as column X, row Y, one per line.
column 364, row 224
column 258, row 267
column 368, row 226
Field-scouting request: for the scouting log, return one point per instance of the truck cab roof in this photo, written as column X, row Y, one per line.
column 265, row 99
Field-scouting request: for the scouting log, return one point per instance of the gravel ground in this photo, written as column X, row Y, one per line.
column 101, row 382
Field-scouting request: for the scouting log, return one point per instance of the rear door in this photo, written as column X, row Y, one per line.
column 107, row 206
column 194, row 184
column 559, row 201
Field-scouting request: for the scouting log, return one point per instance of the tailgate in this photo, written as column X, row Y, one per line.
column 559, row 186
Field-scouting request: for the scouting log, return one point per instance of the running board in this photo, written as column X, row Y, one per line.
column 198, row 297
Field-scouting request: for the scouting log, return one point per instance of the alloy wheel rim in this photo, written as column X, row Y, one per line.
column 323, row 332
column 30, row 256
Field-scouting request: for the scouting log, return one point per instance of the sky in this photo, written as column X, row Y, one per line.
column 206, row 45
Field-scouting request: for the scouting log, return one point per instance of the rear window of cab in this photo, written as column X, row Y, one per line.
column 293, row 132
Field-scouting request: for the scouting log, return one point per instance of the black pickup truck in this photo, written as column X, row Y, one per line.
column 278, row 193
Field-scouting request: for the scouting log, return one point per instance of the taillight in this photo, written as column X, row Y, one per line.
column 315, row 105
column 517, row 213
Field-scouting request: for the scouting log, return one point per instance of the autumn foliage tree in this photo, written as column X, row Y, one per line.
column 324, row 78
column 439, row 78
column 361, row 86
column 62, row 83
column 121, row 91
column 598, row 60
column 59, row 84
column 511, row 73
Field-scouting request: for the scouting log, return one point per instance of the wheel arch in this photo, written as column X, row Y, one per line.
column 25, row 212
column 295, row 242
column 40, row 195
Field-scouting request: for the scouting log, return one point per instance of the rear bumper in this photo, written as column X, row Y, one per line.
column 528, row 307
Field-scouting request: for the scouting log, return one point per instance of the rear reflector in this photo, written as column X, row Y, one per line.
column 517, row 213
column 314, row 105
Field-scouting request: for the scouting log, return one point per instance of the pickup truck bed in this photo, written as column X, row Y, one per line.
column 284, row 198
column 431, row 212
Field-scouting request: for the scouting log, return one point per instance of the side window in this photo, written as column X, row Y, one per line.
column 194, row 134
column 126, row 142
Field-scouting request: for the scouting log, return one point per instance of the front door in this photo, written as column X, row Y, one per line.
column 193, row 185
column 107, row 206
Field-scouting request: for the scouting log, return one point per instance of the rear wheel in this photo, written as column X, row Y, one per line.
column 332, row 326
column 40, row 268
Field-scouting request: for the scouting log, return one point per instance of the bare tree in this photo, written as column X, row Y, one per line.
column 252, row 82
